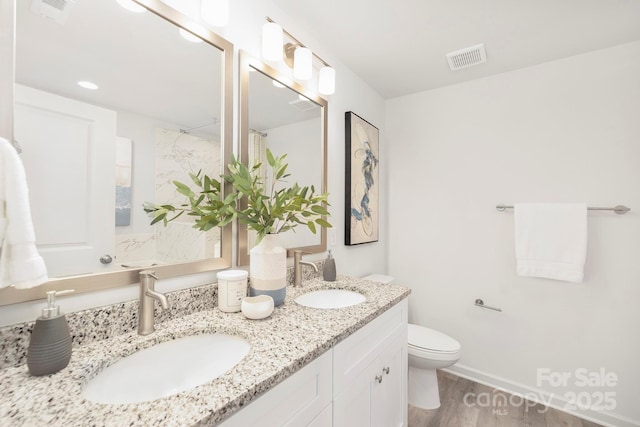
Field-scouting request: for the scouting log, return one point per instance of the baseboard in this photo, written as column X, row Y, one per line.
column 605, row 418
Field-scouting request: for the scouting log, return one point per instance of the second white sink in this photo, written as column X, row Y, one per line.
column 167, row 368
column 330, row 298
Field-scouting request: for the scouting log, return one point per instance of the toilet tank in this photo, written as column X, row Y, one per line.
column 380, row 278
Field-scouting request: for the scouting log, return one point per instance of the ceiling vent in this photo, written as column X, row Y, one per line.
column 467, row 57
column 56, row 10
column 303, row 104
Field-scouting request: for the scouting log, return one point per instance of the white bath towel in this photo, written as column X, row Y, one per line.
column 551, row 240
column 20, row 263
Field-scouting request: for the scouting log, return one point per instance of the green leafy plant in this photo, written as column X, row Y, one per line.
column 263, row 204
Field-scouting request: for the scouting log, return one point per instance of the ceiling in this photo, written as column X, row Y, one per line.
column 145, row 67
column 398, row 46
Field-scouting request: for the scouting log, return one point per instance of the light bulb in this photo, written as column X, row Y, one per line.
column 302, row 66
column 272, row 39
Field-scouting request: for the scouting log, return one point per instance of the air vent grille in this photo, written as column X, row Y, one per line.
column 467, row 57
column 56, row 10
column 58, row 4
column 302, row 104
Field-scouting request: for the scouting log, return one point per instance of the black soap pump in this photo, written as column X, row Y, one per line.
column 329, row 270
column 50, row 345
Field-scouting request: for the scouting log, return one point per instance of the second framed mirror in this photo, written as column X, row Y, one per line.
column 280, row 115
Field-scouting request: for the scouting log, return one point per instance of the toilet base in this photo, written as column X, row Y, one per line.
column 423, row 388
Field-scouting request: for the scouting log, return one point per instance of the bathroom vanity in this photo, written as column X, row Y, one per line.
column 306, row 366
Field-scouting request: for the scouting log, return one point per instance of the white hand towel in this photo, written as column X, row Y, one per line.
column 551, row 240
column 20, row 263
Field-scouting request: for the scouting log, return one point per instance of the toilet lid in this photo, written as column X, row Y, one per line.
column 428, row 339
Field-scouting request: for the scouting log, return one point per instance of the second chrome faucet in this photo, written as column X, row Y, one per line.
column 298, row 263
column 148, row 294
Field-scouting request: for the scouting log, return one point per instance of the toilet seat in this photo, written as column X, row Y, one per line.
column 425, row 340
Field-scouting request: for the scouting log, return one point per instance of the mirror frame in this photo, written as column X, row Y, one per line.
column 246, row 63
column 101, row 281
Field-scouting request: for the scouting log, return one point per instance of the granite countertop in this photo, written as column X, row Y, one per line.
column 280, row 345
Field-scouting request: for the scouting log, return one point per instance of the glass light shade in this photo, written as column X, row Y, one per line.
column 272, row 40
column 302, row 63
column 215, row 12
column 327, row 81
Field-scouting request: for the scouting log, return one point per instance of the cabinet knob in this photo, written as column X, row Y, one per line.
column 379, row 378
column 106, row 259
column 386, row 370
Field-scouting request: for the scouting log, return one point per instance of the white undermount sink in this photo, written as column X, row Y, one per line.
column 167, row 368
column 330, row 298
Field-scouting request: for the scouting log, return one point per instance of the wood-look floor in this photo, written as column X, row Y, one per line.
column 487, row 407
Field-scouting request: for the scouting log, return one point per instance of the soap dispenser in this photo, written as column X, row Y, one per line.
column 329, row 270
column 50, row 345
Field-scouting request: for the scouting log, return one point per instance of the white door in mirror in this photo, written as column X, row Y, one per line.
column 70, row 146
column 167, row 368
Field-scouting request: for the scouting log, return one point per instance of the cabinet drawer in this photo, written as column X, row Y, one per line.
column 296, row 401
column 356, row 352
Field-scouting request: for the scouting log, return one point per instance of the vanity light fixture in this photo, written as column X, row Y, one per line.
column 132, row 6
column 296, row 55
column 215, row 12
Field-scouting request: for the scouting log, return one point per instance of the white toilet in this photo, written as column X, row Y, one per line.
column 428, row 350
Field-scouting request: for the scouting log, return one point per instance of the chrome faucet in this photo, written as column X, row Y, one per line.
column 147, row 295
column 297, row 267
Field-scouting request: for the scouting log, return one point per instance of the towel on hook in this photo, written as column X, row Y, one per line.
column 20, row 263
column 551, row 240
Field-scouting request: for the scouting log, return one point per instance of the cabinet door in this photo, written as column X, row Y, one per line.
column 297, row 401
column 353, row 407
column 325, row 419
column 388, row 398
column 354, row 354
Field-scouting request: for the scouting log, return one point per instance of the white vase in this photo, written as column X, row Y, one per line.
column 268, row 269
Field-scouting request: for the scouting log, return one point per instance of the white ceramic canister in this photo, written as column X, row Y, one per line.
column 232, row 287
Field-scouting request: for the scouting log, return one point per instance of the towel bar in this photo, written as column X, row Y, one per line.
column 480, row 303
column 620, row 209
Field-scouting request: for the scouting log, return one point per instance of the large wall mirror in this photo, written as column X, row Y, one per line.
column 93, row 156
column 281, row 115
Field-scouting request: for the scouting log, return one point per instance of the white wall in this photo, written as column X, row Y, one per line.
column 244, row 30
column 564, row 131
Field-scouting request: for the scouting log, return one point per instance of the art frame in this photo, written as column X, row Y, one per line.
column 362, row 189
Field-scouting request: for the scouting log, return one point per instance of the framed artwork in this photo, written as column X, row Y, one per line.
column 362, row 187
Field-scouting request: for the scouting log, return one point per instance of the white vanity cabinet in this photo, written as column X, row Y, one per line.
column 360, row 382
column 303, row 399
column 370, row 373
